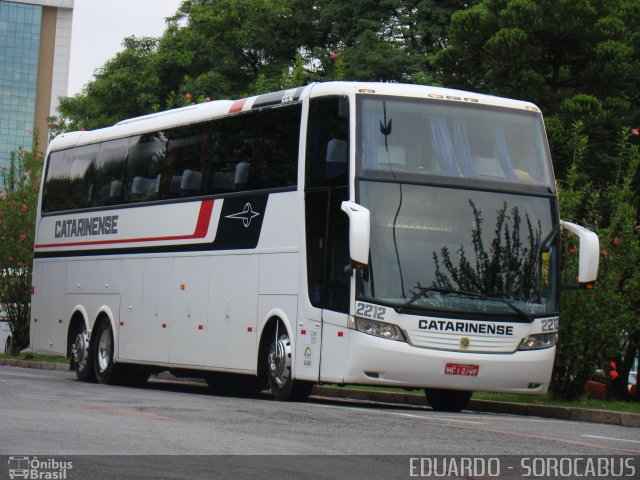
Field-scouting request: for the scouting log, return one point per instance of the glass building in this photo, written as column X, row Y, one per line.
column 35, row 41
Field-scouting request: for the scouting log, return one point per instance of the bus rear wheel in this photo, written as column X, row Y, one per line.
column 81, row 356
column 278, row 360
column 442, row 400
column 105, row 370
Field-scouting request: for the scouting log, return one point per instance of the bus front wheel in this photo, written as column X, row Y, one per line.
column 279, row 372
column 442, row 400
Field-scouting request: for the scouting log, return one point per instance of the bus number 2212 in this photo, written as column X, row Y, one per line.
column 367, row 310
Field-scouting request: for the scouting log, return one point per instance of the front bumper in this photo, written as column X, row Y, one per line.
column 377, row 361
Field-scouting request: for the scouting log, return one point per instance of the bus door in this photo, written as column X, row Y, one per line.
column 327, row 238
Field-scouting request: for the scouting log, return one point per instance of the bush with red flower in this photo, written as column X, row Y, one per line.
column 19, row 184
column 601, row 324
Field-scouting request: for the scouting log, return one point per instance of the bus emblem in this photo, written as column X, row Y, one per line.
column 465, row 342
column 245, row 215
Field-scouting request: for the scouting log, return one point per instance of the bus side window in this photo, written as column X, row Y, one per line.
column 185, row 159
column 254, row 150
column 275, row 150
column 229, row 145
column 109, row 170
column 144, row 167
column 81, row 176
column 56, row 186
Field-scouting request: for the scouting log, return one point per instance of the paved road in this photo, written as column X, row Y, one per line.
column 50, row 413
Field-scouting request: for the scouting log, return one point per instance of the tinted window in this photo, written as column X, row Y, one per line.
column 326, row 228
column 184, row 163
column 80, row 192
column 255, row 150
column 250, row 151
column 327, row 142
column 145, row 166
column 106, row 180
column 275, row 154
column 57, row 186
column 66, row 187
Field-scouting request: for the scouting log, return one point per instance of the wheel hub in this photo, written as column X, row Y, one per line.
column 104, row 350
column 79, row 349
column 280, row 360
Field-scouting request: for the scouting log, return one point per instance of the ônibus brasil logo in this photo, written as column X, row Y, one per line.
column 35, row 469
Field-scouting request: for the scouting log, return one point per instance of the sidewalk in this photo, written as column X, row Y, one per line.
column 410, row 399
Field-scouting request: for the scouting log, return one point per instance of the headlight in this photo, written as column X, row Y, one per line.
column 379, row 329
column 539, row 341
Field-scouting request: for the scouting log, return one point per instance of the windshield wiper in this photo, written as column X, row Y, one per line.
column 426, row 291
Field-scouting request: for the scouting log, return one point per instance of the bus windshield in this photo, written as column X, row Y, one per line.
column 497, row 246
column 465, row 141
column 440, row 246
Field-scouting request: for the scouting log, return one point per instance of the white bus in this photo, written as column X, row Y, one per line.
column 347, row 233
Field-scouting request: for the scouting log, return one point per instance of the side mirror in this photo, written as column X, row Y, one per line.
column 359, row 231
column 589, row 252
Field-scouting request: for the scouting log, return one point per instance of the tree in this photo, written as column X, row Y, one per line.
column 577, row 59
column 235, row 48
column 18, row 203
column 125, row 86
column 598, row 325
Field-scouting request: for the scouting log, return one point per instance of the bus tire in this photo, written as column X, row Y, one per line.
column 82, row 355
column 105, row 370
column 278, row 366
column 442, row 400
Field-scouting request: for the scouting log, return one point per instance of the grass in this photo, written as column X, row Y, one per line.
column 38, row 357
column 584, row 402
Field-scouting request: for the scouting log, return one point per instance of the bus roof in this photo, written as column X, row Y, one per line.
column 219, row 108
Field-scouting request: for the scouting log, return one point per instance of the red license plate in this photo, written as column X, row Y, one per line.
column 457, row 369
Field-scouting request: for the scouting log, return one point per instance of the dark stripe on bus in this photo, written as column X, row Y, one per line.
column 284, row 96
column 239, row 228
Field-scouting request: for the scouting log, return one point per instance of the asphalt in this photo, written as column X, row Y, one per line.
column 344, row 394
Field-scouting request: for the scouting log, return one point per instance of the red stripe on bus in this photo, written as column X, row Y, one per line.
column 201, row 230
column 237, row 105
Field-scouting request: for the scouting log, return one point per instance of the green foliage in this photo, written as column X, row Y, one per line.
column 18, row 202
column 234, row 48
column 126, row 86
column 596, row 324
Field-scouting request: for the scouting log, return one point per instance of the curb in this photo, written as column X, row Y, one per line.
column 411, row 399
column 60, row 367
column 491, row 406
